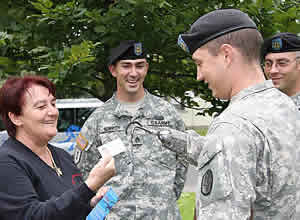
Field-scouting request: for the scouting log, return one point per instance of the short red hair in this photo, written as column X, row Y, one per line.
column 12, row 97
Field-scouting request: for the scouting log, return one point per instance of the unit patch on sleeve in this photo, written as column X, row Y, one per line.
column 207, row 182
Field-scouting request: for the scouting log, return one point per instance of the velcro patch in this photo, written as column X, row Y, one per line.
column 82, row 142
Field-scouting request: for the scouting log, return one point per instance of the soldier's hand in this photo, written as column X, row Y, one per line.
column 173, row 140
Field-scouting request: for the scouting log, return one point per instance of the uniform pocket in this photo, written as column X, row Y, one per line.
column 162, row 156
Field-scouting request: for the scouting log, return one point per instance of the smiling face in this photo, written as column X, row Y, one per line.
column 38, row 119
column 284, row 71
column 130, row 75
column 211, row 69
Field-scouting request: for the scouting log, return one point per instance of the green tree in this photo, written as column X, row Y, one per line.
column 69, row 41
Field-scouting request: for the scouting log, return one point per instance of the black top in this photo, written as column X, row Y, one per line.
column 30, row 189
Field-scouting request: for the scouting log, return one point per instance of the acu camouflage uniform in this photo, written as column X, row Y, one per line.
column 282, row 43
column 247, row 159
column 296, row 99
column 150, row 178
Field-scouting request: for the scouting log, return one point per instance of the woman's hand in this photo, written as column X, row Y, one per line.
column 98, row 196
column 101, row 173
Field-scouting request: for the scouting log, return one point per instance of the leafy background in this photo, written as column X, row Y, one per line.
column 69, row 41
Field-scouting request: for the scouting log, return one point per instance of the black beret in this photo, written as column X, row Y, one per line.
column 127, row 50
column 280, row 43
column 213, row 25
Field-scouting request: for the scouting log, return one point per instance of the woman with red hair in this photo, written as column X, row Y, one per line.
column 38, row 180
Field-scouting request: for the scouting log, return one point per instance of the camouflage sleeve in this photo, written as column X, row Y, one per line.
column 297, row 165
column 181, row 167
column 195, row 143
column 86, row 153
column 187, row 145
column 227, row 171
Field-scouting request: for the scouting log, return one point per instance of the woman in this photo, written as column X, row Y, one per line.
column 38, row 180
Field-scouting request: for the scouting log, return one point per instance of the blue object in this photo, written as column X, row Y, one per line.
column 103, row 207
column 69, row 133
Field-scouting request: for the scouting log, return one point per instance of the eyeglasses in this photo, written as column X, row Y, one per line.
column 280, row 64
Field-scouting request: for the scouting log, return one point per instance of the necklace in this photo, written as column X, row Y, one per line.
column 55, row 168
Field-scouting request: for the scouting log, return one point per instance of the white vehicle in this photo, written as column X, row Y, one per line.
column 72, row 115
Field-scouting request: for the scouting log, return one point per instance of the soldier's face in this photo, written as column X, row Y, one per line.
column 211, row 70
column 284, row 70
column 130, row 75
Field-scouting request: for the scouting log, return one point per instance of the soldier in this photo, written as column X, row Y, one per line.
column 150, row 178
column 246, row 162
column 281, row 55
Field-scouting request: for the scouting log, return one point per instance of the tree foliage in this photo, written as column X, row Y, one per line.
column 69, row 41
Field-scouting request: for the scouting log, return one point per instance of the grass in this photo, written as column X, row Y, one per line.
column 201, row 131
column 186, row 205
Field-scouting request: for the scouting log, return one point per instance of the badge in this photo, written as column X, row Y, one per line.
column 82, row 142
column 182, row 44
column 207, row 182
column 138, row 49
column 276, row 44
column 136, row 141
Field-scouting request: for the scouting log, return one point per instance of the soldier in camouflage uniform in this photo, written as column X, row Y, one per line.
column 281, row 56
column 150, row 178
column 246, row 162
column 283, row 50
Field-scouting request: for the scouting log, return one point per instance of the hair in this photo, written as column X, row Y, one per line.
column 248, row 41
column 12, row 95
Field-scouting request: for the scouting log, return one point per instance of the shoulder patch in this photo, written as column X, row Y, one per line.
column 207, row 182
column 82, row 142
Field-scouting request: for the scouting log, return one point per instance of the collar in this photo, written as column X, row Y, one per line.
column 144, row 110
column 267, row 84
column 296, row 99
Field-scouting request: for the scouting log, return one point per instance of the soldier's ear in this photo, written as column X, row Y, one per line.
column 112, row 69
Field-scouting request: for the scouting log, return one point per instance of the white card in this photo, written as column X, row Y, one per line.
column 113, row 148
